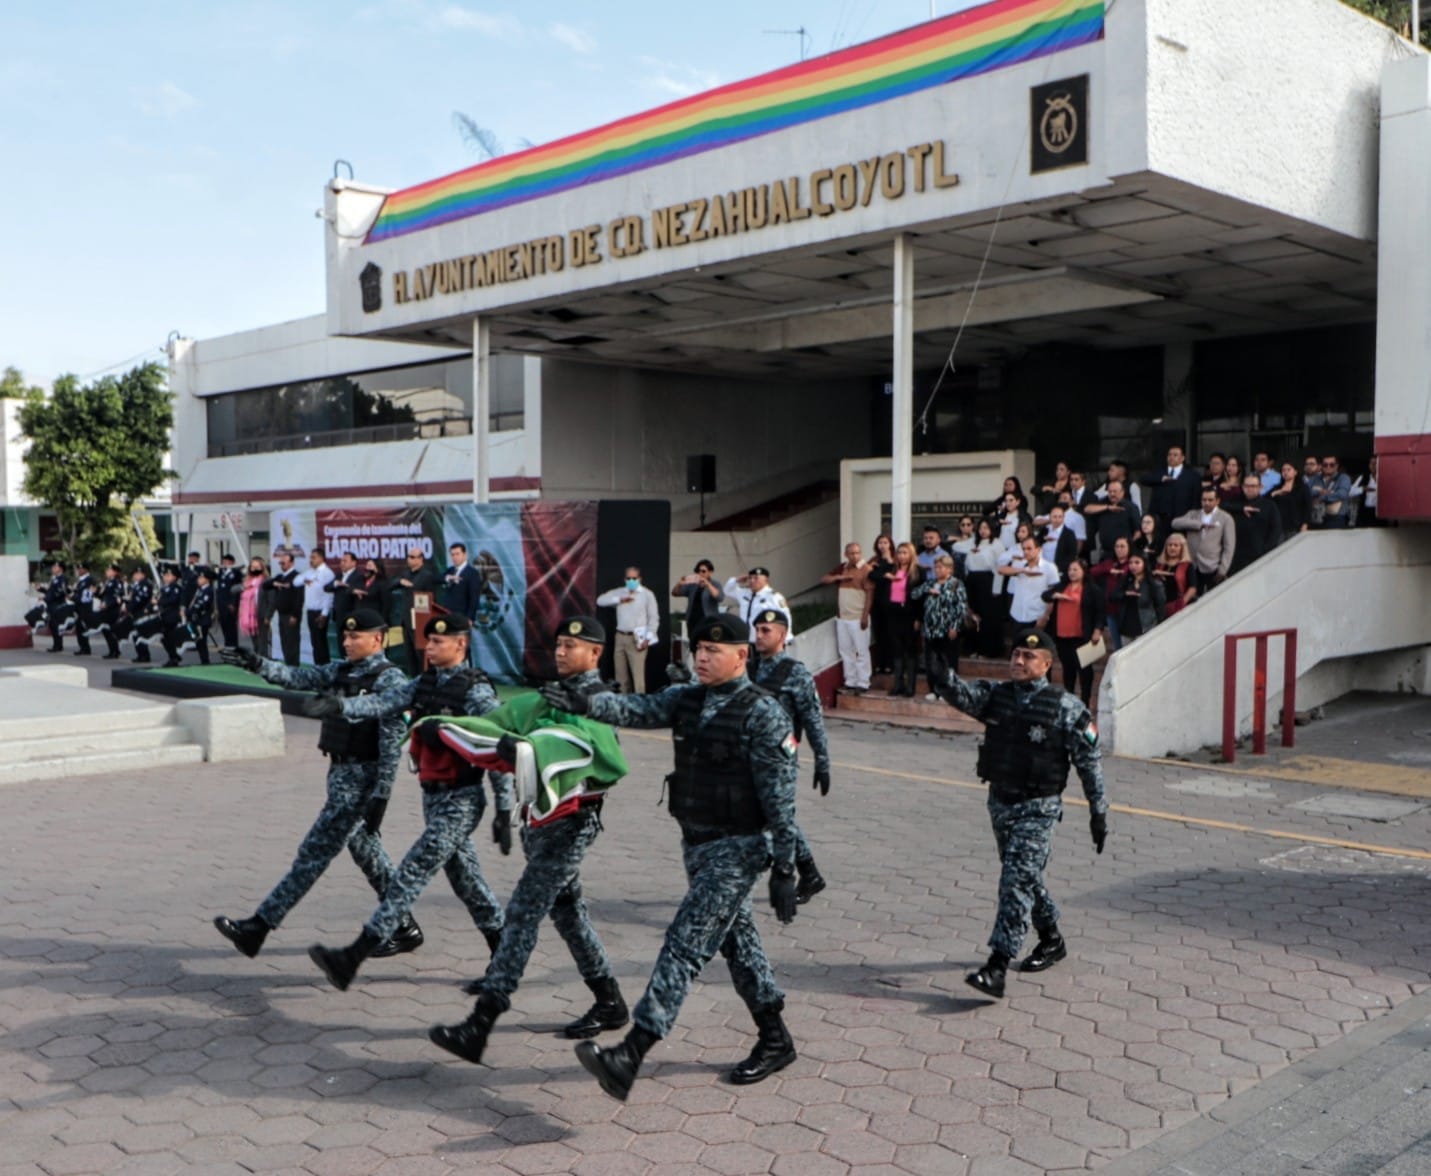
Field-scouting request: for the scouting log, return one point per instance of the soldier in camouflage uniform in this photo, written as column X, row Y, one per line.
column 733, row 792
column 452, row 799
column 362, row 758
column 790, row 681
column 550, row 884
column 1032, row 731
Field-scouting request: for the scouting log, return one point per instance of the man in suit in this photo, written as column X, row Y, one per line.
column 1175, row 489
column 341, row 586
column 462, row 588
column 1212, row 540
column 1060, row 543
column 1258, row 524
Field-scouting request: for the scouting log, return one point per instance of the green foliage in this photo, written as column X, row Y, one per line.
column 121, row 545
column 1396, row 13
column 13, row 386
column 95, row 449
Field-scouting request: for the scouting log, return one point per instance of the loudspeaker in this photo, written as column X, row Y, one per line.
column 700, row 473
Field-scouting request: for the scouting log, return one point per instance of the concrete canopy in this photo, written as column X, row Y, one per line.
column 1229, row 188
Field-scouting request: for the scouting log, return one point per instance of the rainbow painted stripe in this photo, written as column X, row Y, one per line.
column 976, row 41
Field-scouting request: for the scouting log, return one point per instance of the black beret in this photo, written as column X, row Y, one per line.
column 365, row 620
column 452, row 623
column 583, row 629
column 1034, row 639
column 722, row 630
column 760, row 572
column 772, row 616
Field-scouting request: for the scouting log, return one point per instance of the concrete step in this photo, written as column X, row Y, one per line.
column 875, row 706
column 981, row 667
column 108, row 763
column 82, row 740
column 39, row 709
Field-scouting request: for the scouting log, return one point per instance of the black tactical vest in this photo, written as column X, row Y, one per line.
column 352, row 741
column 448, row 698
column 1025, row 750
column 774, row 682
column 713, row 786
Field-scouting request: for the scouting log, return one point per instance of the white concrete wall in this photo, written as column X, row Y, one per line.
column 624, row 432
column 1272, row 101
column 798, row 550
column 12, row 456
column 942, row 477
column 1349, row 594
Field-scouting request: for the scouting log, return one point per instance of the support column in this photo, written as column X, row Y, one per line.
column 902, row 431
column 481, row 404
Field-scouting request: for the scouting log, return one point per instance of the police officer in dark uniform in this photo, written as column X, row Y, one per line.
column 733, row 793
column 550, row 883
column 57, row 605
column 189, row 578
column 138, row 610
column 792, row 683
column 228, row 587
column 199, row 613
column 1033, row 730
column 109, row 606
column 82, row 600
column 170, row 606
column 452, row 799
column 362, row 761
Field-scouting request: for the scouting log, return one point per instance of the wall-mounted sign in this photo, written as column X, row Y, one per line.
column 1058, row 130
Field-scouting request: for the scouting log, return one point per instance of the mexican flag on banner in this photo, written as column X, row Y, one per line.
column 560, row 757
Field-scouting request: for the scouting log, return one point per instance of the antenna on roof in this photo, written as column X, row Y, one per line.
column 802, row 32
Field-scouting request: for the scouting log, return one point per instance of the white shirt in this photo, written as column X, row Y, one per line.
column 748, row 603
column 1076, row 523
column 1027, row 604
column 638, row 615
column 1050, row 542
column 313, row 581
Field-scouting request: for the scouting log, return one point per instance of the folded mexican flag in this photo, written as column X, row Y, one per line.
column 561, row 758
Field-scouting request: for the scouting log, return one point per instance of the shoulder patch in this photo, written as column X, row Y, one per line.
column 789, row 746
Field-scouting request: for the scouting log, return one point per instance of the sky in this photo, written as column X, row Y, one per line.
column 162, row 163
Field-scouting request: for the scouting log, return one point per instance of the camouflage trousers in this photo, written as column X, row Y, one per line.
column 714, row 916
column 1024, row 833
column 445, row 844
column 551, row 885
column 802, row 847
column 350, row 788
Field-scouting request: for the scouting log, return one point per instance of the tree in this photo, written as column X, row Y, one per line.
column 13, row 386
column 1397, row 14
column 94, row 450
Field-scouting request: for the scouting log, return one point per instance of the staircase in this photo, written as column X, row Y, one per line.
column 918, row 713
column 45, row 736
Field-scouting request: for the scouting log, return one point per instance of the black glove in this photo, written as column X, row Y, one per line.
column 502, row 830
column 822, row 780
column 507, row 749
column 782, row 893
column 373, row 814
column 245, row 659
column 560, row 696
column 429, row 736
column 1098, row 826
column 678, row 675
column 322, row 706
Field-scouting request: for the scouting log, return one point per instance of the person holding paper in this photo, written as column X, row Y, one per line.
column 1077, row 613
column 638, row 622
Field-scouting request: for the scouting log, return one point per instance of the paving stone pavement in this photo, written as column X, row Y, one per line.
column 1204, row 961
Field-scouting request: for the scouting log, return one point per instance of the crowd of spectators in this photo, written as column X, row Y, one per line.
column 1097, row 567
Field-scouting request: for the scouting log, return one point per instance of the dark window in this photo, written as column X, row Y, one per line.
column 394, row 404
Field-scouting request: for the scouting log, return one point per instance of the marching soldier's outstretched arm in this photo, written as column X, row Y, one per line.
column 298, row 677
column 971, row 697
column 392, row 694
column 637, row 710
column 812, row 718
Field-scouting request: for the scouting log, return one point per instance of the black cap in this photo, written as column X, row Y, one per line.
column 206, row 572
column 365, row 620
column 1034, row 639
column 583, row 629
column 772, row 616
column 722, row 630
column 448, row 624
column 760, row 572
column 227, row 557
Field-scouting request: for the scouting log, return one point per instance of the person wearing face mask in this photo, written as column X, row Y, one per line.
column 638, row 621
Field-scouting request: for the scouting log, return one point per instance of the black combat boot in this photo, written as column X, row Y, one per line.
column 407, row 937
column 609, row 1011
column 341, row 964
column 469, row 1039
column 811, row 882
column 1051, row 948
column 615, row 1067
column 990, row 978
column 774, row 1049
column 245, row 934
